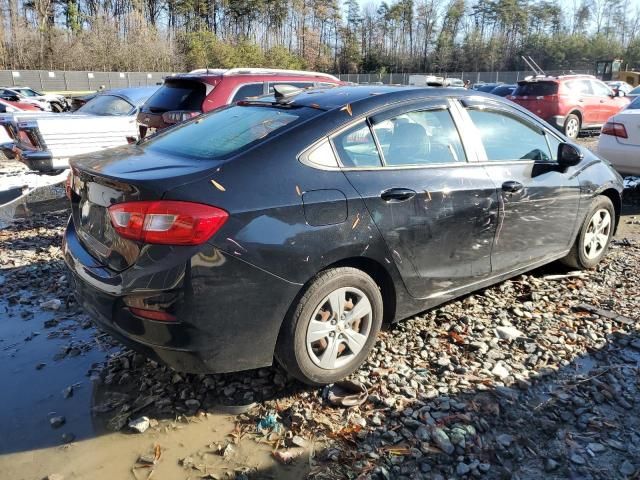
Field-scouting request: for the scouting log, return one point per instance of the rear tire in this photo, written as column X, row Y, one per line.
column 320, row 342
column 572, row 126
column 594, row 236
column 56, row 107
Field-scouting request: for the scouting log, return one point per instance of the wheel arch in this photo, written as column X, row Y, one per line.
column 613, row 195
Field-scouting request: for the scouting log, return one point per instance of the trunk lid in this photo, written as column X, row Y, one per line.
column 539, row 97
column 123, row 174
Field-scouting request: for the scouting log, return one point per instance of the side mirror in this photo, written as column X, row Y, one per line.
column 569, row 155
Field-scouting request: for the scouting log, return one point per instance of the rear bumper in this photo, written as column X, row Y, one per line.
column 624, row 158
column 38, row 160
column 228, row 312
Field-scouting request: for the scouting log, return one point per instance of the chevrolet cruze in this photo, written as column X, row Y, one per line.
column 292, row 227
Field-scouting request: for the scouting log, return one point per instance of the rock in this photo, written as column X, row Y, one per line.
column 462, row 468
column 550, row 465
column 192, row 404
column 147, row 459
column 68, row 437
column 504, row 440
column 441, row 439
column 140, row 424
column 596, row 447
column 481, row 347
column 626, row 468
column 53, row 304
column 577, row 459
column 500, row 371
column 57, row 422
column 508, row 333
column 227, row 451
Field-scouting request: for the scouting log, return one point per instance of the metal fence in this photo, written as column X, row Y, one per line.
column 67, row 81
column 474, row 77
column 85, row 81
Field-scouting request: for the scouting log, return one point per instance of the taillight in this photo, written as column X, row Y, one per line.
column 614, row 129
column 156, row 315
column 26, row 139
column 178, row 116
column 167, row 222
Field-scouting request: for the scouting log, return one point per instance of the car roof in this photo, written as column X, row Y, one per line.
column 135, row 95
column 371, row 96
column 217, row 74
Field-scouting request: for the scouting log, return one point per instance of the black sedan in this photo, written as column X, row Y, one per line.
column 294, row 227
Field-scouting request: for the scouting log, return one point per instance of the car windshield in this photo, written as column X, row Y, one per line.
column 27, row 92
column 108, row 105
column 635, row 105
column 225, row 132
column 536, row 88
column 635, row 91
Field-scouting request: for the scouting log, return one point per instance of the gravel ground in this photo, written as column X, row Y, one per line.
column 537, row 377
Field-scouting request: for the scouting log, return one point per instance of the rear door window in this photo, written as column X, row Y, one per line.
column 635, row 105
column 248, row 91
column 506, row 137
column 177, row 95
column 225, row 132
column 421, row 137
column 536, row 89
column 579, row 87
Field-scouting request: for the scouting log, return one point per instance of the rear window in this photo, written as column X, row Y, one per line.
column 225, row 132
column 536, row 89
column 177, row 95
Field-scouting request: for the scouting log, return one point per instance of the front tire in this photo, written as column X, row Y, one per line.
column 594, row 236
column 333, row 327
column 572, row 126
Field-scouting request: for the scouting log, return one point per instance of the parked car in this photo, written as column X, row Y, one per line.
column 46, row 141
column 79, row 101
column 619, row 140
column 571, row 103
column 620, row 86
column 294, row 228
column 503, row 90
column 7, row 106
column 634, row 93
column 56, row 102
column 454, row 82
column 488, row 87
column 187, row 95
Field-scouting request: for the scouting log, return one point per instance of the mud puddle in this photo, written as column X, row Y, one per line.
column 51, row 368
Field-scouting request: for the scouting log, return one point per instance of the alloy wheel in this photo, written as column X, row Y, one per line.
column 571, row 129
column 339, row 328
column 597, row 234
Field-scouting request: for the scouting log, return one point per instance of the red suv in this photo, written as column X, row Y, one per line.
column 185, row 96
column 571, row 103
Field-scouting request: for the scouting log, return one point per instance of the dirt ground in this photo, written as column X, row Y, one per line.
column 542, row 419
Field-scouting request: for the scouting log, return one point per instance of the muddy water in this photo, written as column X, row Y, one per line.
column 33, row 378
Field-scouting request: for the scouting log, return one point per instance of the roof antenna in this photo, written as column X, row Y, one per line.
column 283, row 92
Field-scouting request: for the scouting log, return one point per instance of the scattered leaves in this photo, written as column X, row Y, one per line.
column 218, row 186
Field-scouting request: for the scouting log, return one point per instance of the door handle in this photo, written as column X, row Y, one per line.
column 512, row 186
column 581, row 100
column 397, row 194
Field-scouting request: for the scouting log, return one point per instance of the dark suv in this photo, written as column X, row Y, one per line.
column 571, row 103
column 185, row 96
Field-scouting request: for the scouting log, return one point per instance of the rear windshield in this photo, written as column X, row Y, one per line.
column 224, row 132
column 108, row 105
column 635, row 105
column 177, row 95
column 536, row 88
